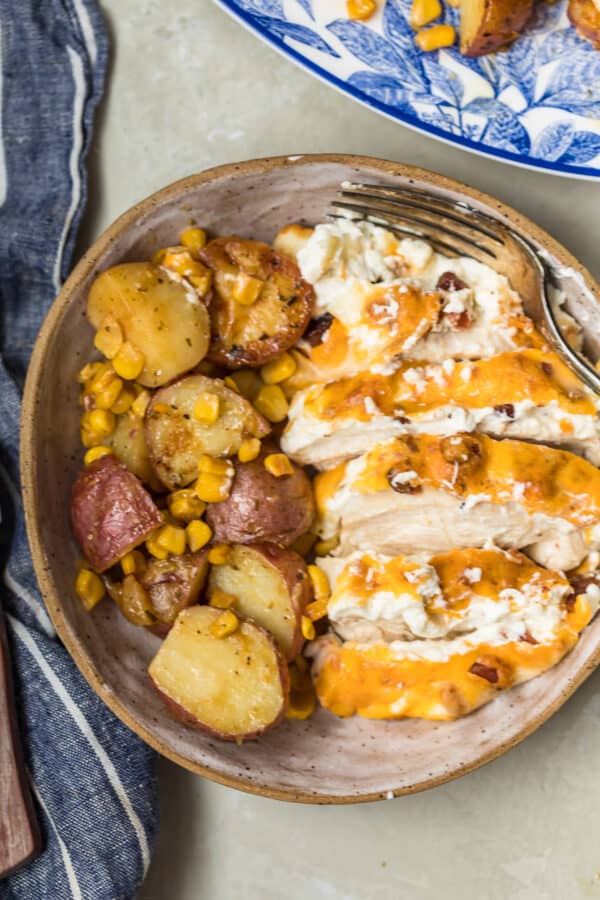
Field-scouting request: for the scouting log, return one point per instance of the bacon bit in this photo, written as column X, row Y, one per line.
column 448, row 281
column 488, row 672
column 404, row 420
column 460, row 448
column 317, row 329
column 402, row 487
column 547, row 368
column 528, row 638
column 458, row 321
column 505, row 408
column 580, row 584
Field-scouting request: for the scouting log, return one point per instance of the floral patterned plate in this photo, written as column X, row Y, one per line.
column 535, row 105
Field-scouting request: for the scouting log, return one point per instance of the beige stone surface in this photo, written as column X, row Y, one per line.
column 189, row 88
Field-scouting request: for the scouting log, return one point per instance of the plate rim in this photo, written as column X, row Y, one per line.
column 581, row 173
column 28, row 464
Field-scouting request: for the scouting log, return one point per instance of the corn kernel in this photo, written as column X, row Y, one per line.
column 172, row 538
column 89, row 588
column 185, row 505
column 159, row 256
column 248, row 381
column 155, row 549
column 360, row 9
column 302, row 705
column 218, row 554
column 317, row 609
column 95, row 453
column 202, row 282
column 124, row 402
column 435, row 38
column 212, row 488
column 107, row 391
column 225, row 625
column 206, row 408
column 129, row 361
column 271, row 402
column 229, row 382
column 109, row 337
column 320, row 582
column 278, row 465
column 246, row 289
column 96, row 425
column 304, row 544
column 324, row 548
column 194, row 239
column 90, row 370
column 212, row 466
column 423, row 12
column 278, row 370
column 249, row 450
column 198, row 534
column 133, row 563
column 140, row 403
column 308, row 629
column 221, row 599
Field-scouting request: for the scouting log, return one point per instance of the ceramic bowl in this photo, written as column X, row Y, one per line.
column 324, row 759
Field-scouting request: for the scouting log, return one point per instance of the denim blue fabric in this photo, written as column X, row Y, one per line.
column 93, row 781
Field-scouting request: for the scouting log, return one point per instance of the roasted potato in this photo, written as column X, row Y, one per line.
column 176, row 439
column 490, row 25
column 291, row 239
column 234, row 686
column 164, row 319
column 173, row 584
column 585, row 18
column 261, row 507
column 270, row 586
column 260, row 303
column 133, row 601
column 111, row 512
column 129, row 446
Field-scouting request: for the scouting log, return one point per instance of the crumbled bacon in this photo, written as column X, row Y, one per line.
column 506, row 409
column 488, row 672
column 448, row 281
column 317, row 329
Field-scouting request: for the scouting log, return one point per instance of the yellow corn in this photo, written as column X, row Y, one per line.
column 158, row 257
column 109, row 337
column 206, row 408
column 324, row 548
column 436, row 37
column 95, row 453
column 304, row 544
column 124, row 402
column 229, row 382
column 221, row 599
column 140, row 403
column 133, row 563
column 320, row 582
column 271, row 402
column 212, row 466
column 91, row 370
column 106, row 390
column 360, row 9
column 218, row 554
column 198, row 534
column 424, row 11
column 172, row 538
column 202, row 282
column 278, row 464
column 246, row 289
column 225, row 625
column 302, row 705
column 185, row 505
column 317, row 609
column 155, row 549
column 89, row 588
column 249, row 450
column 308, row 629
column 281, row 368
column 212, row 488
column 96, row 425
column 248, row 381
column 129, row 361
column 194, row 239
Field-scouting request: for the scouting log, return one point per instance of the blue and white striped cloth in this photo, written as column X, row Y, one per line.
column 93, row 780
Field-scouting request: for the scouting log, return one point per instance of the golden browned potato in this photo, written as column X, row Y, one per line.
column 260, row 304
column 164, row 319
column 111, row 512
column 291, row 239
column 585, row 18
column 176, row 438
column 261, row 507
column 490, row 25
column 271, row 586
column 232, row 683
column 129, row 446
column 173, row 584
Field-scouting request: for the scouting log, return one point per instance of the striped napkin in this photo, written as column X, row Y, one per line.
column 93, row 781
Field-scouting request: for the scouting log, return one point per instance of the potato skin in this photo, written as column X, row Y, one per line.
column 253, row 335
column 111, row 512
column 261, row 508
column 500, row 22
column 585, row 18
column 173, row 584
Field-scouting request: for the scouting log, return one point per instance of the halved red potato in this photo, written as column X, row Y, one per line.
column 260, row 304
column 234, row 687
column 111, row 512
column 173, row 584
column 490, row 25
column 270, row 585
column 176, row 440
column 261, row 507
column 585, row 18
column 129, row 446
column 164, row 319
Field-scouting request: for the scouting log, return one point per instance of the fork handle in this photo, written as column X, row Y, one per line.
column 20, row 838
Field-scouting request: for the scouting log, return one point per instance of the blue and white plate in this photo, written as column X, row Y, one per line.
column 536, row 105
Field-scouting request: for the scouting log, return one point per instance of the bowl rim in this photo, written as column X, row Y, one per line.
column 28, row 460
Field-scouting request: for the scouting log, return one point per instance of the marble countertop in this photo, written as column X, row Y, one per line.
column 189, row 89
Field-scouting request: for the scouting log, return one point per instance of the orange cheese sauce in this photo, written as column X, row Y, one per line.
column 368, row 575
column 512, row 377
column 550, row 481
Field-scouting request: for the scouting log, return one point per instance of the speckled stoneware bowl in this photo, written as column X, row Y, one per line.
column 325, row 759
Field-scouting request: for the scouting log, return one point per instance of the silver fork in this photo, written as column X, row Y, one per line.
column 457, row 229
